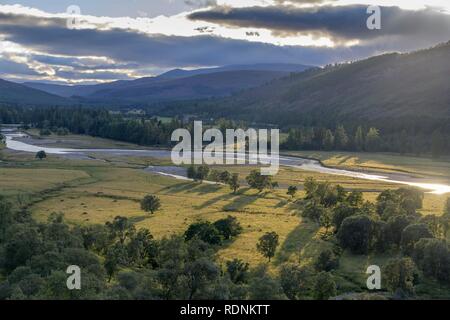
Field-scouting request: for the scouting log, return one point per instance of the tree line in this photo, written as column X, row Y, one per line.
column 149, row 131
column 366, row 139
column 311, row 138
column 93, row 121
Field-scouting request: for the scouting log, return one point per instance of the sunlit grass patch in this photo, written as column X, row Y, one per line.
column 94, row 192
column 420, row 166
column 15, row 181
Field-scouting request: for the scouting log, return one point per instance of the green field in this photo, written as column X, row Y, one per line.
column 381, row 162
column 93, row 191
column 80, row 141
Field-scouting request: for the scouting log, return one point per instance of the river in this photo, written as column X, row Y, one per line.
column 21, row 142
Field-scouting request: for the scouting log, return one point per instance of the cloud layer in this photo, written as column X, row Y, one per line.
column 341, row 23
column 37, row 45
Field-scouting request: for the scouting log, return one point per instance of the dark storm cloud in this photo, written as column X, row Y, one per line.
column 59, row 46
column 337, row 22
column 52, row 37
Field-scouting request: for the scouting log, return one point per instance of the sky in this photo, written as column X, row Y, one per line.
column 87, row 42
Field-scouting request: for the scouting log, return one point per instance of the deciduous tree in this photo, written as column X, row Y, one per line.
column 150, row 203
column 268, row 244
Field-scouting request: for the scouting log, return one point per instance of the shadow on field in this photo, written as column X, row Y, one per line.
column 295, row 205
column 194, row 187
column 240, row 201
column 138, row 219
column 206, row 188
column 180, row 187
column 344, row 159
column 210, row 202
column 295, row 241
column 281, row 204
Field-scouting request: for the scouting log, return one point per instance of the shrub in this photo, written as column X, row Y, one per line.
column 228, row 227
column 296, row 281
column 400, row 276
column 327, row 261
column 41, row 155
column 324, row 286
column 257, row 181
column 237, row 270
column 204, row 231
column 413, row 233
column 432, row 256
column 355, row 234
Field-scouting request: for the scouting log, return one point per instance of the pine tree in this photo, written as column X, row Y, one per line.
column 359, row 139
column 328, row 140
column 372, row 140
column 341, row 138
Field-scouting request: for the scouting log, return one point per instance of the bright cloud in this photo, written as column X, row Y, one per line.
column 110, row 43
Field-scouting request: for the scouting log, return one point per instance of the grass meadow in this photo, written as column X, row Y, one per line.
column 95, row 191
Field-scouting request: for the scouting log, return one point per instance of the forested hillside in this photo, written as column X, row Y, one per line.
column 11, row 92
column 382, row 90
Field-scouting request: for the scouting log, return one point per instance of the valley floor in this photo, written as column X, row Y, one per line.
column 97, row 190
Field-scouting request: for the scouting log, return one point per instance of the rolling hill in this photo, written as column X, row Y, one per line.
column 15, row 93
column 277, row 67
column 176, row 84
column 194, row 87
column 391, row 86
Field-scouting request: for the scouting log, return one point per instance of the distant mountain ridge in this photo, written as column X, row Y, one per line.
column 11, row 92
column 277, row 67
column 176, row 84
column 194, row 87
